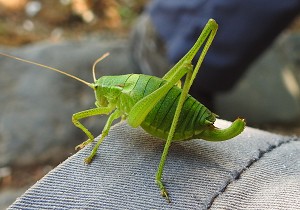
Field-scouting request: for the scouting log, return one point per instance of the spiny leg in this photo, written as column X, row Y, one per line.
column 159, row 172
column 209, row 31
column 115, row 115
column 88, row 113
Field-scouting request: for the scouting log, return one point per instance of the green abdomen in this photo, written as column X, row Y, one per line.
column 158, row 121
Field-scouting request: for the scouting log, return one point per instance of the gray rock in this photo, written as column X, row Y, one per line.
column 270, row 90
column 37, row 104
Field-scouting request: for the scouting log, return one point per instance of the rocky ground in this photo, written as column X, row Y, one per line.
column 35, row 114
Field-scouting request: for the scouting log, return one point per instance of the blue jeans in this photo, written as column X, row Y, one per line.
column 246, row 29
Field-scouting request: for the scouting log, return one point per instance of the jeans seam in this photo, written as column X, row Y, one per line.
column 237, row 174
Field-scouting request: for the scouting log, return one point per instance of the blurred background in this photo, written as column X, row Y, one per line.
column 36, row 105
column 23, row 21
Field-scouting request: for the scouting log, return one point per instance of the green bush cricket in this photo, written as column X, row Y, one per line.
column 158, row 105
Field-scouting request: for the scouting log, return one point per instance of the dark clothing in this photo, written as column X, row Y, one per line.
column 246, row 29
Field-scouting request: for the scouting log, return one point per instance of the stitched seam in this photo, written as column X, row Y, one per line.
column 237, row 174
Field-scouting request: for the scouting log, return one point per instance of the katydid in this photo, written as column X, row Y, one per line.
column 158, row 105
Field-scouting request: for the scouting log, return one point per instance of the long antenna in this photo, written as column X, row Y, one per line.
column 97, row 61
column 48, row 67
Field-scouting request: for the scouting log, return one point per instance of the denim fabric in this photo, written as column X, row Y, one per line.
column 255, row 170
column 246, row 29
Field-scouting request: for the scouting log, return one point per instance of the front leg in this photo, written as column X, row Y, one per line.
column 88, row 113
column 115, row 115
